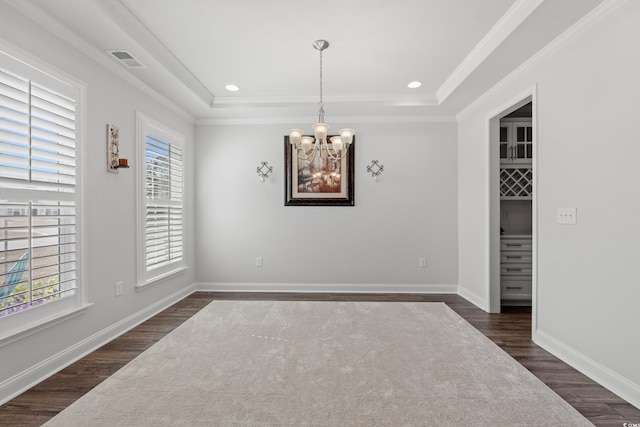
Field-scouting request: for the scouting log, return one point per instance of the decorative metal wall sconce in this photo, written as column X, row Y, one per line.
column 375, row 169
column 264, row 170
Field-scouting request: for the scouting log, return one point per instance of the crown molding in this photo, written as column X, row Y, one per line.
column 415, row 101
column 126, row 20
column 598, row 13
column 337, row 119
column 498, row 34
column 32, row 11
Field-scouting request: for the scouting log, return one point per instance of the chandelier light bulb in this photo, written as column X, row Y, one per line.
column 320, row 130
column 295, row 135
column 306, row 142
column 346, row 135
column 336, row 141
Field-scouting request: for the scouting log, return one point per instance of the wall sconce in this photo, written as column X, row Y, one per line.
column 264, row 170
column 375, row 169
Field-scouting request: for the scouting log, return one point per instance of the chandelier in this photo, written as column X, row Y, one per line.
column 312, row 145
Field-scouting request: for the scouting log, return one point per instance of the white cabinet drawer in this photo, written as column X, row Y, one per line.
column 519, row 244
column 507, row 257
column 516, row 289
column 516, row 269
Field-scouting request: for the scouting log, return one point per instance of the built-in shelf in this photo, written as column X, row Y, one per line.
column 516, row 183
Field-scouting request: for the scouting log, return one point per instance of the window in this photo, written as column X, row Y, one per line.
column 161, row 177
column 38, row 206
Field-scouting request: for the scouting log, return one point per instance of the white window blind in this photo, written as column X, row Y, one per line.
column 164, row 198
column 38, row 253
column 37, row 135
column 38, row 217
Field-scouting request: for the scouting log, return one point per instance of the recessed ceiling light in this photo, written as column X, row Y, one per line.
column 232, row 88
column 414, row 84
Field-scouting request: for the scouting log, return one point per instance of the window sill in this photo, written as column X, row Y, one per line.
column 40, row 325
column 154, row 280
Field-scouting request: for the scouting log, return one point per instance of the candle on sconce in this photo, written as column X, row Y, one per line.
column 123, row 162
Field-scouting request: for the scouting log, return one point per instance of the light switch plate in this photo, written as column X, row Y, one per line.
column 567, row 216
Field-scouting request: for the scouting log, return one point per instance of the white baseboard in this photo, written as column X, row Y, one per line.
column 326, row 287
column 474, row 298
column 604, row 376
column 24, row 380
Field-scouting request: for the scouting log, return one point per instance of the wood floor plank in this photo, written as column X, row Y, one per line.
column 511, row 330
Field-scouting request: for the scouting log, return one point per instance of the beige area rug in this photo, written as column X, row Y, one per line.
column 284, row 363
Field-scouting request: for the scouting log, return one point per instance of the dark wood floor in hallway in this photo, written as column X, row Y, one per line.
column 511, row 330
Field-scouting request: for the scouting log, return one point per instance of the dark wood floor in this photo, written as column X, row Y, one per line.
column 511, row 330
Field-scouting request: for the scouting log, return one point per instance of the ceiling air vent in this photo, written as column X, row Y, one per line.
column 126, row 58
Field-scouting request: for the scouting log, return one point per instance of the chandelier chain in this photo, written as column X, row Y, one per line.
column 321, row 105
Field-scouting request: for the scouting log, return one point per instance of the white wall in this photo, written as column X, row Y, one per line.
column 110, row 216
column 410, row 212
column 588, row 88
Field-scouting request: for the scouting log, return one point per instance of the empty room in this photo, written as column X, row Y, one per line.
column 289, row 213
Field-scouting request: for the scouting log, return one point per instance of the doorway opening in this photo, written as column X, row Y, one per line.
column 516, row 198
column 512, row 207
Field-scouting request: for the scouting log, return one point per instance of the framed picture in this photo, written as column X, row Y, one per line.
column 319, row 182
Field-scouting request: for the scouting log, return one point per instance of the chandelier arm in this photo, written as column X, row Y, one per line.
column 331, row 154
column 335, row 157
column 318, row 147
column 309, row 158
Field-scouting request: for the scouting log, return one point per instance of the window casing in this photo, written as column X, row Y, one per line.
column 40, row 195
column 161, row 201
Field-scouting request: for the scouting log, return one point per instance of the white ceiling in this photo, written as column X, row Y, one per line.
column 191, row 49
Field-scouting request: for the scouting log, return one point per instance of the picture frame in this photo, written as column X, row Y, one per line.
column 320, row 183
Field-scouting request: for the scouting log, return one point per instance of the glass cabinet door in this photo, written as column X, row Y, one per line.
column 504, row 142
column 523, row 142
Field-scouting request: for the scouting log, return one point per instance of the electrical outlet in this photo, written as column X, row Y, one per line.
column 259, row 261
column 423, row 262
column 119, row 288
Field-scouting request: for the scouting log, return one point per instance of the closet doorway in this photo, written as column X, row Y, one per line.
column 512, row 207
column 516, row 198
